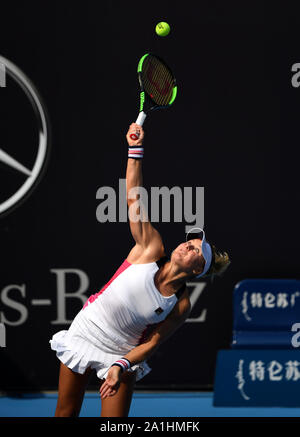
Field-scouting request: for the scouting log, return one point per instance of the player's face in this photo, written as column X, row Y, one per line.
column 189, row 256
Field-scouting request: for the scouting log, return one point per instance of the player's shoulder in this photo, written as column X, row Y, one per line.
column 152, row 253
column 183, row 306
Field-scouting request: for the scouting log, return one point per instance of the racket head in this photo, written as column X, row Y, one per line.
column 157, row 83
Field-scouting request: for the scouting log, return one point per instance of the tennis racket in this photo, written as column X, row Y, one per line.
column 157, row 87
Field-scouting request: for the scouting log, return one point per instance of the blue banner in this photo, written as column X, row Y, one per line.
column 269, row 378
column 264, row 311
column 263, row 303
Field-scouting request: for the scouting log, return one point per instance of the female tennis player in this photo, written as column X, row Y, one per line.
column 144, row 303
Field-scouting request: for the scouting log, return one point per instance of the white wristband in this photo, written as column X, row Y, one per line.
column 123, row 363
column 135, row 152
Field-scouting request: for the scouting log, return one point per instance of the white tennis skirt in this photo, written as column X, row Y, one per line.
column 83, row 346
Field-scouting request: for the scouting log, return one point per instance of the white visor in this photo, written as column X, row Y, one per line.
column 205, row 247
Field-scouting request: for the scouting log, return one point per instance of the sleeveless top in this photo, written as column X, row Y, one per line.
column 129, row 306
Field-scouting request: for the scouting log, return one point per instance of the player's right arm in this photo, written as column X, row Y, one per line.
column 148, row 241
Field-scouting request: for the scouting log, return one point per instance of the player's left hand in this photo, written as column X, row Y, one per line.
column 112, row 383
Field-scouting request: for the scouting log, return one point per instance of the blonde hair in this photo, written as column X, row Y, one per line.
column 220, row 263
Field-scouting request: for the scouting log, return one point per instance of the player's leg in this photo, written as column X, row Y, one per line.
column 119, row 404
column 71, row 390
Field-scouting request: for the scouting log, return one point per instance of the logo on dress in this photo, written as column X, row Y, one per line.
column 159, row 311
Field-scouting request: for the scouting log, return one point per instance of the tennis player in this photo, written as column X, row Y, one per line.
column 144, row 303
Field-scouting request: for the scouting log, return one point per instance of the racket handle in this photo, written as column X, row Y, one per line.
column 140, row 121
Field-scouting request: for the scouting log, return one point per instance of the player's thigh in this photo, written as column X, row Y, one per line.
column 119, row 404
column 71, row 388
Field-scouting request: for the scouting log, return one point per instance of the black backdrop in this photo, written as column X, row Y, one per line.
column 233, row 130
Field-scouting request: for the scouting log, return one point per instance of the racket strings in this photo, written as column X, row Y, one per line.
column 157, row 80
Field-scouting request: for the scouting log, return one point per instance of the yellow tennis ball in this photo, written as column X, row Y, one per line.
column 162, row 29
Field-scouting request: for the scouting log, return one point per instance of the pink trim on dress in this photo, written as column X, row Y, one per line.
column 120, row 270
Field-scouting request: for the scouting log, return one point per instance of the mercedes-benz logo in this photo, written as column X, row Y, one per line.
column 24, row 150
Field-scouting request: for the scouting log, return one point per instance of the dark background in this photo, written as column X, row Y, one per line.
column 233, row 129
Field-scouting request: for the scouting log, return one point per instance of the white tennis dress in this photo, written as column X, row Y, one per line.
column 115, row 320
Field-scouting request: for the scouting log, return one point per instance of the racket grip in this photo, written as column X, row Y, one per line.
column 140, row 121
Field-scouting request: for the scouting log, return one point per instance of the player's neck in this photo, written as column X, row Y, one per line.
column 169, row 278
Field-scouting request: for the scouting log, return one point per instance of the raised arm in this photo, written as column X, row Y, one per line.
column 149, row 245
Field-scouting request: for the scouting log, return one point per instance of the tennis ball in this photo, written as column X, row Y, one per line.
column 162, row 29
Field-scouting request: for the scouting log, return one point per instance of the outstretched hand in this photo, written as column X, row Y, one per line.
column 135, row 129
column 112, row 383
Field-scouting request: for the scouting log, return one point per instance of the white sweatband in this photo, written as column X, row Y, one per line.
column 123, row 363
column 135, row 152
